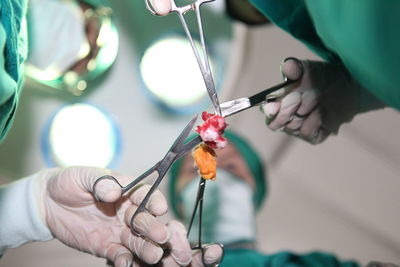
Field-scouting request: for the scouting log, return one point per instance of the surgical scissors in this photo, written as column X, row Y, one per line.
column 160, row 167
column 201, row 56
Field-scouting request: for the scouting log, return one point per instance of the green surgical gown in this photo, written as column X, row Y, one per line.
column 251, row 258
column 13, row 43
column 362, row 34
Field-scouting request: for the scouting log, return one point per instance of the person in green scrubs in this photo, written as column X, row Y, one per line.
column 230, row 205
column 358, row 42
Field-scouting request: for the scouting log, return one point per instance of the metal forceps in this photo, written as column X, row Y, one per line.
column 201, row 56
column 199, row 205
column 160, row 167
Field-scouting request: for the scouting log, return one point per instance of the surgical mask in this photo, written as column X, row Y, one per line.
column 58, row 39
column 228, row 210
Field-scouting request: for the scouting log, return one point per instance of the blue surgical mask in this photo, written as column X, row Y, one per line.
column 228, row 210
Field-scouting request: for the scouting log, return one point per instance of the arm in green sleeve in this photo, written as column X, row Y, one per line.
column 245, row 257
column 8, row 90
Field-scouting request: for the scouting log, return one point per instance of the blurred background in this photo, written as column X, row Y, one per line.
column 339, row 197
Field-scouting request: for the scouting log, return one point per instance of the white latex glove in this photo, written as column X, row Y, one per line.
column 70, row 210
column 212, row 253
column 319, row 103
column 179, row 252
column 98, row 221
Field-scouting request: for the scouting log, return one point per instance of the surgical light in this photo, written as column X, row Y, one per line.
column 171, row 73
column 82, row 134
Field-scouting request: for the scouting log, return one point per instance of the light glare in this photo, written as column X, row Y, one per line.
column 81, row 134
column 170, row 71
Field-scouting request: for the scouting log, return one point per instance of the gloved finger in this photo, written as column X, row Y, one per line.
column 144, row 249
column 278, row 94
column 292, row 68
column 320, row 137
column 147, row 225
column 270, row 110
column 168, row 261
column 212, row 255
column 295, row 123
column 311, row 125
column 289, row 106
column 161, row 7
column 178, row 244
column 107, row 190
column 292, row 132
column 157, row 204
column 309, row 99
column 84, row 179
column 119, row 255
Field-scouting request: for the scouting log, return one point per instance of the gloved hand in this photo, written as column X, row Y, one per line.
column 99, row 222
column 179, row 251
column 212, row 253
column 316, row 106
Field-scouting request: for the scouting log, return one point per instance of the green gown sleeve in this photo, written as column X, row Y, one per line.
column 251, row 258
column 9, row 90
column 365, row 34
column 13, row 51
column 292, row 16
column 361, row 34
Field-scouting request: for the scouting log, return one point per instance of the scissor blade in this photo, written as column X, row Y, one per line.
column 234, row 106
column 141, row 177
column 176, row 147
column 212, row 93
column 189, row 146
column 237, row 105
column 261, row 96
column 163, row 166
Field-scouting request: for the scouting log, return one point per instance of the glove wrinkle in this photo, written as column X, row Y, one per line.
column 178, row 243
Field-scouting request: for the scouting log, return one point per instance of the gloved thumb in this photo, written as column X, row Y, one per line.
column 213, row 255
column 107, row 189
column 292, row 68
column 81, row 184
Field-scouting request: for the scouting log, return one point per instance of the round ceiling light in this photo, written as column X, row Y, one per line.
column 81, row 134
column 171, row 73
